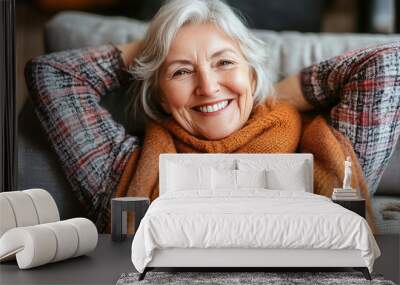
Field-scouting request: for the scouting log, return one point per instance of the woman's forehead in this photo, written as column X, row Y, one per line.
column 205, row 38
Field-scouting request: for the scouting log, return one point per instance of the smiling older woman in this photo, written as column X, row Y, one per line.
column 201, row 79
column 197, row 54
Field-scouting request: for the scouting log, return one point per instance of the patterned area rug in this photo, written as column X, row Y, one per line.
column 269, row 278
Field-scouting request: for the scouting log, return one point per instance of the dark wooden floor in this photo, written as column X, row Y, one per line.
column 111, row 259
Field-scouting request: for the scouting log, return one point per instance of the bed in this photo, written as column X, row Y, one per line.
column 245, row 211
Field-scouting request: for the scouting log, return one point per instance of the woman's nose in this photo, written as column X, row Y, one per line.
column 207, row 82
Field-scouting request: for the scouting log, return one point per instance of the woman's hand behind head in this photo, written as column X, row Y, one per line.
column 130, row 51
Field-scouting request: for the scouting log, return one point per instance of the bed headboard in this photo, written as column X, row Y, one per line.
column 281, row 162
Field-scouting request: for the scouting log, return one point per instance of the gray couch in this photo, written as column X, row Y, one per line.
column 289, row 52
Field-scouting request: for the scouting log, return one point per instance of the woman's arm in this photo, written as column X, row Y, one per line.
column 360, row 88
column 66, row 88
column 323, row 85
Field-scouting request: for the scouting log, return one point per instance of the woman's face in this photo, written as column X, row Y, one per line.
column 206, row 83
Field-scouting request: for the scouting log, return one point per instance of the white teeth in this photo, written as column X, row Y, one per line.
column 213, row 108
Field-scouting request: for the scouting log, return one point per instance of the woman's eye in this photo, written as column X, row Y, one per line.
column 225, row 62
column 181, row 72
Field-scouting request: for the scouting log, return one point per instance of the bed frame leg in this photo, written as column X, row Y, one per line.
column 364, row 271
column 143, row 274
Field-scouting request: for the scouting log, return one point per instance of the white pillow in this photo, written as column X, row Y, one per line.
column 224, row 179
column 235, row 179
column 181, row 177
column 293, row 179
column 251, row 178
column 281, row 174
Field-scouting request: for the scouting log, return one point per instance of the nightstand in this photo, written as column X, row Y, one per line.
column 119, row 208
column 355, row 205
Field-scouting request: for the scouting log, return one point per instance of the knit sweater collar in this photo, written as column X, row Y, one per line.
column 268, row 129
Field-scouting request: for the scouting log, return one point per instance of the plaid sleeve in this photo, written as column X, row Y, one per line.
column 361, row 88
column 323, row 82
column 66, row 88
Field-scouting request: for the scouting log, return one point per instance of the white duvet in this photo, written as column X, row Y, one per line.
column 251, row 218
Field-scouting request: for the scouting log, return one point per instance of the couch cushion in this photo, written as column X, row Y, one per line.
column 288, row 51
column 39, row 167
column 387, row 213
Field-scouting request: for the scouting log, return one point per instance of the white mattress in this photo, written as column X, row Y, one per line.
column 251, row 218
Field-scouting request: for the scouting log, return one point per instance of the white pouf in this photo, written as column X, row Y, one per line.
column 45, row 205
column 23, row 208
column 26, row 208
column 32, row 233
column 7, row 220
column 40, row 244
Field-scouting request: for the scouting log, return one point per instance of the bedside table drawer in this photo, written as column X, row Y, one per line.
column 357, row 206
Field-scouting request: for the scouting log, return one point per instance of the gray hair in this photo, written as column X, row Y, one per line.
column 169, row 19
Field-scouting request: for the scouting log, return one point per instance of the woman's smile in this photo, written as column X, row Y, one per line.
column 213, row 109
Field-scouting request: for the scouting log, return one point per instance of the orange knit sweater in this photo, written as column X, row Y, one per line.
column 271, row 128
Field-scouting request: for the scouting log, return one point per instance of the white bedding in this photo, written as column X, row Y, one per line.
column 251, row 218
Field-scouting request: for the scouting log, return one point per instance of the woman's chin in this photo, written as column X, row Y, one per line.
column 216, row 134
column 219, row 129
